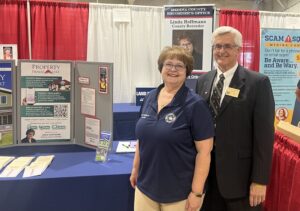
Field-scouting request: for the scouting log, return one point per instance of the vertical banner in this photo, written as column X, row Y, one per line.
column 6, row 124
column 191, row 27
column 280, row 60
column 45, row 101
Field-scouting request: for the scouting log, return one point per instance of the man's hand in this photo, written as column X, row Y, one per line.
column 257, row 194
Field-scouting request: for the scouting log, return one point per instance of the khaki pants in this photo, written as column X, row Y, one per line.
column 144, row 203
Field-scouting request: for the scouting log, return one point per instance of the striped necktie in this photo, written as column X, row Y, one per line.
column 215, row 99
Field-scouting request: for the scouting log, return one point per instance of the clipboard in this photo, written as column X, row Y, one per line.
column 126, row 146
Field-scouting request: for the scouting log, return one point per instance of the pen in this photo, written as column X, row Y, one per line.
column 124, row 145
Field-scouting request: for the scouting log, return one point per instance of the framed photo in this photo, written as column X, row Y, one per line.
column 9, row 52
column 103, row 79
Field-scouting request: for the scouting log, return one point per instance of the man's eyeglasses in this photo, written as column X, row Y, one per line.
column 225, row 47
column 178, row 67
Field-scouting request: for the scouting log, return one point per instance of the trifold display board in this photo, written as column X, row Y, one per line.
column 93, row 101
column 63, row 102
column 7, row 102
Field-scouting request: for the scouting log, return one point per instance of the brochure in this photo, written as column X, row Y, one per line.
column 37, row 167
column 4, row 160
column 15, row 167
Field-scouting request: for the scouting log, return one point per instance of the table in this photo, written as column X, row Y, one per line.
column 73, row 182
column 283, row 190
column 125, row 117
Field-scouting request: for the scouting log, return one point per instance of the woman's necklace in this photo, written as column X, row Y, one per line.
column 164, row 98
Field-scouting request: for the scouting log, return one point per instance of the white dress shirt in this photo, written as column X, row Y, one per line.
column 228, row 77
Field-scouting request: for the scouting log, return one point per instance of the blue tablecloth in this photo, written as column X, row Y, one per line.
column 125, row 117
column 72, row 182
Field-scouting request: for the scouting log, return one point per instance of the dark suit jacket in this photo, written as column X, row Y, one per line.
column 244, row 131
column 25, row 140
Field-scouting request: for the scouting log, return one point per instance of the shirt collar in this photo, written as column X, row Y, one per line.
column 228, row 73
column 179, row 96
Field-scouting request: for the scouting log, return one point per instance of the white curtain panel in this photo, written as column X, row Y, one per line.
column 282, row 20
column 133, row 47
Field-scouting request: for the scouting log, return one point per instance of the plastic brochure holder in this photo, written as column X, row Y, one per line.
column 104, row 147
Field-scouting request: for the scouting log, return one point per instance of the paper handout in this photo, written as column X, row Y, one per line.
column 15, row 167
column 4, row 160
column 38, row 166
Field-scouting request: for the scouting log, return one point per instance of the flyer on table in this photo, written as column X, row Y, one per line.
column 46, row 100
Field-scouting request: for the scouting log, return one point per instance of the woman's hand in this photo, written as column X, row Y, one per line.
column 193, row 202
column 133, row 177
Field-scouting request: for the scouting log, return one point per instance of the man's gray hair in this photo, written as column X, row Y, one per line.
column 238, row 40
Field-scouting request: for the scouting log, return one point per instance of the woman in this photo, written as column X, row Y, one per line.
column 281, row 114
column 174, row 134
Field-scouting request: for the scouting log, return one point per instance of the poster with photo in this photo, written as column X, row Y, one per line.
column 9, row 52
column 280, row 60
column 46, row 100
column 6, row 104
column 191, row 27
column 103, row 79
column 92, row 131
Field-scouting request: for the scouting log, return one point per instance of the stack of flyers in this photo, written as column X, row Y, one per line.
column 102, row 150
column 15, row 167
column 4, row 160
column 38, row 166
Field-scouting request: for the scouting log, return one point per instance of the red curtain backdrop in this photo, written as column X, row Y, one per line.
column 13, row 24
column 284, row 188
column 247, row 22
column 59, row 30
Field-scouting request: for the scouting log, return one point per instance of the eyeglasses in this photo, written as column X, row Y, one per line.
column 178, row 67
column 225, row 47
column 185, row 45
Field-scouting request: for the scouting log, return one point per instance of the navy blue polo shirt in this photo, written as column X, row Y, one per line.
column 166, row 144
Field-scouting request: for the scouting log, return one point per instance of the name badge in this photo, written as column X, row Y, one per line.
column 232, row 92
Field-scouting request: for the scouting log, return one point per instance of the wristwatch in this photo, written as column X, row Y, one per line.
column 198, row 194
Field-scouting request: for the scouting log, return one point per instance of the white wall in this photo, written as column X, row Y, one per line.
column 238, row 4
column 266, row 5
column 286, row 5
column 294, row 6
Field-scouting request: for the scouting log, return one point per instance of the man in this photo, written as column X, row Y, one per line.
column 29, row 137
column 186, row 42
column 244, row 121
